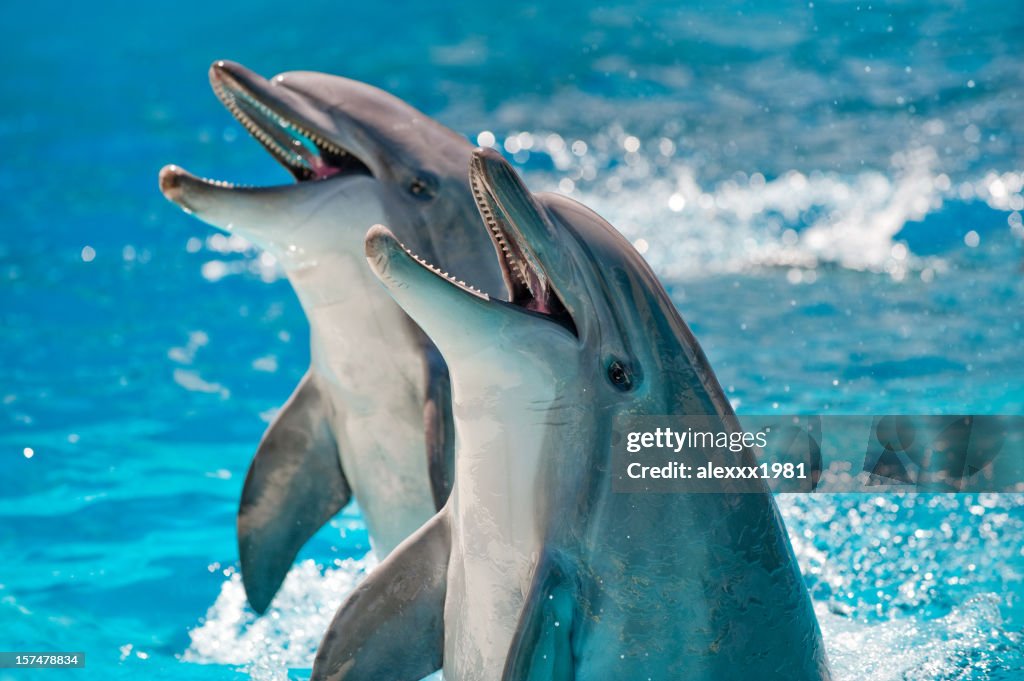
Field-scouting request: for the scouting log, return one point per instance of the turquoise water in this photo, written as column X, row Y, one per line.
column 832, row 193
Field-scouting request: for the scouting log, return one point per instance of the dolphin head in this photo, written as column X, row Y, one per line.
column 584, row 309
column 357, row 153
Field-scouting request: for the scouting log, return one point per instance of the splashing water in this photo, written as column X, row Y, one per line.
column 288, row 633
column 968, row 643
column 904, row 591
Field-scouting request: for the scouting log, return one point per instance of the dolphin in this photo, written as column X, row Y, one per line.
column 535, row 569
column 371, row 419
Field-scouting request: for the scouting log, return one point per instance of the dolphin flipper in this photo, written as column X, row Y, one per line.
column 392, row 625
column 295, row 485
column 438, row 426
column 541, row 648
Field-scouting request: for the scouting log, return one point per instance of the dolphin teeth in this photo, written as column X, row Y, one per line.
column 231, row 101
column 437, row 270
column 288, row 156
column 221, row 183
column 330, row 146
column 514, row 266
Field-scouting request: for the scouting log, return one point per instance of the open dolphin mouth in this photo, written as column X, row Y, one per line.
column 307, row 153
column 529, row 286
column 526, row 278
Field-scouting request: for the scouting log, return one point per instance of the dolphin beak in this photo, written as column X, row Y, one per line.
column 273, row 216
column 290, row 126
column 399, row 268
column 217, row 202
column 171, row 186
column 432, row 297
column 223, row 73
column 529, row 247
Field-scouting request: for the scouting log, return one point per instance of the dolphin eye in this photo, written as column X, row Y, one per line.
column 620, row 376
column 423, row 187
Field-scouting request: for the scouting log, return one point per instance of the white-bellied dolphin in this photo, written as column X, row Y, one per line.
column 535, row 569
column 375, row 399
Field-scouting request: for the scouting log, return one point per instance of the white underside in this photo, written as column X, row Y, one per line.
column 496, row 535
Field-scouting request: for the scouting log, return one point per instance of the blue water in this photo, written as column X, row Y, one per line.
column 831, row 191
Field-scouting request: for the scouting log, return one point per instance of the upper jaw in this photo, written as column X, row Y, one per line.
column 283, row 122
column 507, row 207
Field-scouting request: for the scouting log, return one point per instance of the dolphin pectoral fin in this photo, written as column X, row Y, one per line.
column 392, row 625
column 438, row 425
column 295, row 484
column 542, row 648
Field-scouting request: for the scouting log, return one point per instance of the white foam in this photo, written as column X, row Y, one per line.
column 288, row 634
column 693, row 227
column 286, row 637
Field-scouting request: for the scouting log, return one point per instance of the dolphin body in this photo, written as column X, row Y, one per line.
column 535, row 569
column 371, row 419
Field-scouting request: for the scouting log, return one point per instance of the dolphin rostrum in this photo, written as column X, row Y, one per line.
column 535, row 569
column 371, row 418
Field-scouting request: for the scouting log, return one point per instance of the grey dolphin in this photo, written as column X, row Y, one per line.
column 375, row 399
column 535, row 569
